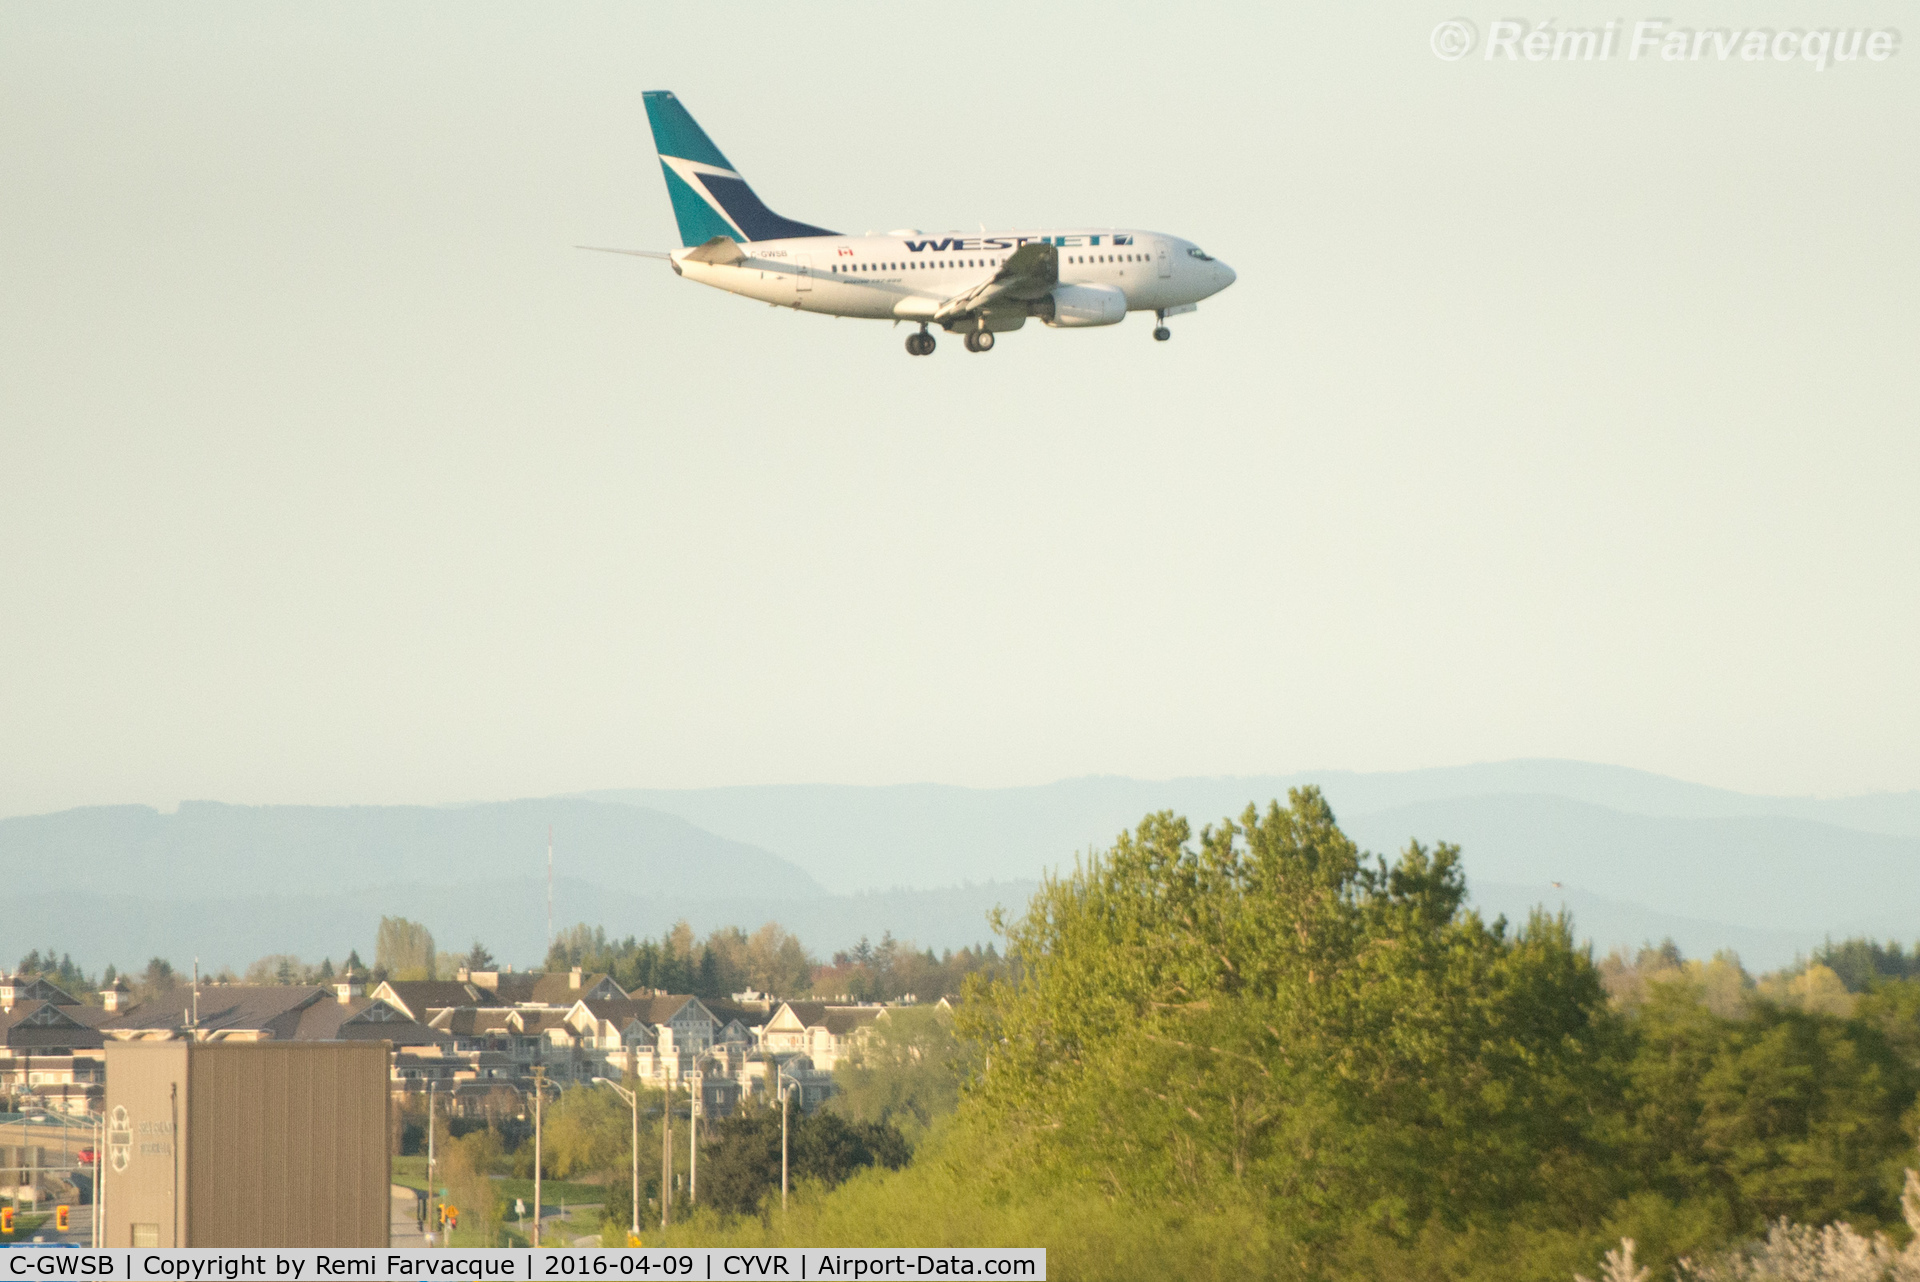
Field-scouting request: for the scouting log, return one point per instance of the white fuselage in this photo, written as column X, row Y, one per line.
column 907, row 275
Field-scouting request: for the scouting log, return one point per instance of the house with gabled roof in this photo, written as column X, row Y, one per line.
column 542, row 1036
column 540, row 988
column 616, row 1037
column 15, row 989
column 51, row 1053
column 475, row 1028
column 422, row 999
column 825, row 1034
column 280, row 1012
column 664, row 1037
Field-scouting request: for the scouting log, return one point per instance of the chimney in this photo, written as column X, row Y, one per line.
column 573, row 979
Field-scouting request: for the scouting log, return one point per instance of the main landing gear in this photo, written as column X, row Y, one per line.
column 1160, row 331
column 920, row 344
column 979, row 340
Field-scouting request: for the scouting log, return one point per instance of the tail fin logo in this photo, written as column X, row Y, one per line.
column 709, row 196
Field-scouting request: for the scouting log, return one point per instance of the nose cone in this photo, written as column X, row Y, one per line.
column 1223, row 276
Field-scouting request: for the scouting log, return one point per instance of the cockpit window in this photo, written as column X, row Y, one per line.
column 1201, row 254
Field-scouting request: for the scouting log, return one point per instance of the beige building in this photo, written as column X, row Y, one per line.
column 246, row 1143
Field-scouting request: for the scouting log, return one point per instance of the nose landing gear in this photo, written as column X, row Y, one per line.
column 920, row 344
column 1160, row 331
column 979, row 340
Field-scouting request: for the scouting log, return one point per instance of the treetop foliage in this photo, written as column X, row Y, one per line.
column 1267, row 1008
column 891, row 970
column 404, row 950
column 771, row 959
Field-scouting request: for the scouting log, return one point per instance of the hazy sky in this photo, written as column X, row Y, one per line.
column 1560, row 409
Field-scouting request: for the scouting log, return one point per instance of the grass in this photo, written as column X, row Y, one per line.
column 25, row 1226
column 514, row 1232
column 553, row 1192
column 411, row 1171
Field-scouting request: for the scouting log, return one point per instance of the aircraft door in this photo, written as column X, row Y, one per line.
column 803, row 272
column 1164, row 257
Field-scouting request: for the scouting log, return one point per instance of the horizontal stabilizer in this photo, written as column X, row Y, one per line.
column 637, row 253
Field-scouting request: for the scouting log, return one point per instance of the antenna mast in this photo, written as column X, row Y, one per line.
column 549, row 888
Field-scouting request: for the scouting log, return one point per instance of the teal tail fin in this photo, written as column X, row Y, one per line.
column 710, row 198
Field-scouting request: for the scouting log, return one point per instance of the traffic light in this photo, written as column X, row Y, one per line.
column 6, row 1219
column 60, row 1218
column 453, row 1218
column 440, row 1216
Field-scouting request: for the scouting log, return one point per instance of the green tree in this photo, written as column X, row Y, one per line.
column 1781, row 1112
column 587, row 1131
column 467, row 1166
column 157, row 980
column 1861, row 963
column 404, row 949
column 1270, row 1012
column 908, row 1073
column 740, row 1166
column 776, row 962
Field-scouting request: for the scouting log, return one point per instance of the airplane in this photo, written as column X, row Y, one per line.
column 975, row 286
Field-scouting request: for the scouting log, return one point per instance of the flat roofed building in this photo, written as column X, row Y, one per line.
column 247, row 1143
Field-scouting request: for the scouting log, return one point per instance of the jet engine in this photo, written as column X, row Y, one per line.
column 1079, row 306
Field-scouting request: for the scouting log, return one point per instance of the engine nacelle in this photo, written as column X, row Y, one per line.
column 1078, row 306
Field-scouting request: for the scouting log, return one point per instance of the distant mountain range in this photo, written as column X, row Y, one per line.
column 1637, row 857
column 232, row 883
column 207, row 849
column 929, row 834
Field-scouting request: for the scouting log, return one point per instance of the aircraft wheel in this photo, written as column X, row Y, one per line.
column 926, row 344
column 919, row 344
column 1161, row 334
column 971, row 342
column 983, row 341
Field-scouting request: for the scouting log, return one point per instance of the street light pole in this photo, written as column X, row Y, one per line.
column 782, row 1089
column 539, row 1094
column 100, row 1180
column 666, row 1152
column 633, row 1102
column 693, row 1138
column 429, row 1226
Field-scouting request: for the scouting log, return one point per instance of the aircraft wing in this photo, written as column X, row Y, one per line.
column 1029, row 273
